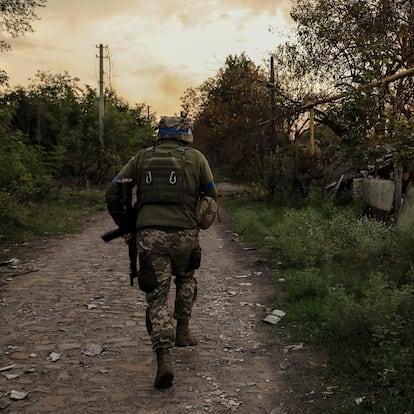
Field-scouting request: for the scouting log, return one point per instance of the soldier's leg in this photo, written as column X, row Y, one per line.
column 154, row 279
column 186, row 260
column 159, row 316
column 186, row 293
column 185, row 296
column 159, row 320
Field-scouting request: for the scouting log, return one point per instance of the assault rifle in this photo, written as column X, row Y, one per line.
column 132, row 250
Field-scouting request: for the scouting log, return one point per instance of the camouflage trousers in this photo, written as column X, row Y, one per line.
column 165, row 254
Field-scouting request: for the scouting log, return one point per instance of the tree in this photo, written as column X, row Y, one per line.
column 342, row 46
column 59, row 119
column 354, row 41
column 23, row 175
column 228, row 107
column 16, row 17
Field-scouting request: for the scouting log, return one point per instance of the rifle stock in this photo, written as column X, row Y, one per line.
column 111, row 235
column 132, row 251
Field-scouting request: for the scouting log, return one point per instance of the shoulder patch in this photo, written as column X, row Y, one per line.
column 122, row 180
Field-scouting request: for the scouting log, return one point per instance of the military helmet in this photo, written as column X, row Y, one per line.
column 178, row 127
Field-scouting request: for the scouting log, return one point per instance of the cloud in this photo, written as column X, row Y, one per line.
column 273, row 7
column 157, row 85
column 29, row 44
column 76, row 12
column 158, row 49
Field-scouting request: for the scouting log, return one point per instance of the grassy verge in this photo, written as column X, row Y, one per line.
column 59, row 212
column 346, row 284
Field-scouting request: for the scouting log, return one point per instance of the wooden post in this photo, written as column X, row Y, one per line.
column 272, row 101
column 398, row 190
column 312, row 130
column 101, row 96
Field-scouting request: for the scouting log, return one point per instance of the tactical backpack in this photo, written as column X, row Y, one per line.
column 162, row 178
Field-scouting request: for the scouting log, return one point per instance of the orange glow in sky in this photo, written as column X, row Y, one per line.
column 157, row 49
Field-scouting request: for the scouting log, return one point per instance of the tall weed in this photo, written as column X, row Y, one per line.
column 59, row 212
column 348, row 289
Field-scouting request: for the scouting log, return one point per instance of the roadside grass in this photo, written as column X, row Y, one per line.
column 346, row 284
column 61, row 211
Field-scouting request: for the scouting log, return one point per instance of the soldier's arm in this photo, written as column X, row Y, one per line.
column 116, row 195
column 207, row 185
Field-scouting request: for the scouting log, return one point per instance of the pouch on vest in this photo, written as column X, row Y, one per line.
column 206, row 211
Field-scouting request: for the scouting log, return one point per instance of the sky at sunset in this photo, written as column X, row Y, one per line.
column 157, row 48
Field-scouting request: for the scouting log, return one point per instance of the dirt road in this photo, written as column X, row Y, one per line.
column 73, row 335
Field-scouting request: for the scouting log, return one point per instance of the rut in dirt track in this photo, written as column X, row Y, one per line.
column 73, row 335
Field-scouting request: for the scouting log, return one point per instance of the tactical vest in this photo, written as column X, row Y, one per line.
column 162, row 178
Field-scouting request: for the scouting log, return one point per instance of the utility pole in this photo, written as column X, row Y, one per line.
column 101, row 95
column 411, row 24
column 272, row 100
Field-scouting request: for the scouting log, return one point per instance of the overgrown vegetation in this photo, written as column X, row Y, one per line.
column 49, row 146
column 61, row 211
column 347, row 286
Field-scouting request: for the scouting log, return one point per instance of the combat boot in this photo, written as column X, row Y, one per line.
column 165, row 376
column 183, row 336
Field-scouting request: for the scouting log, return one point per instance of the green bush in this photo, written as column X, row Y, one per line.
column 346, row 283
column 59, row 212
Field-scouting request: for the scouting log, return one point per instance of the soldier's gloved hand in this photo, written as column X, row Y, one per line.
column 127, row 237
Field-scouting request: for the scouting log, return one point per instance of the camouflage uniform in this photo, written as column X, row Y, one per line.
column 162, row 254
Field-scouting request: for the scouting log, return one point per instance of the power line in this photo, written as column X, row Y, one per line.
column 110, row 67
column 107, row 66
column 101, row 92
